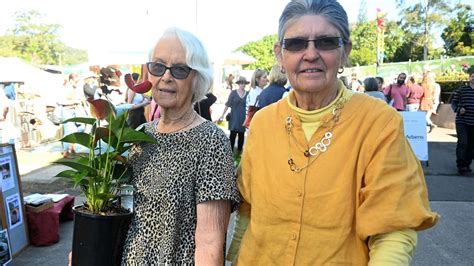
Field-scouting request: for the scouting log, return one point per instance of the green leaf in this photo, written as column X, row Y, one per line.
column 78, row 138
column 78, row 178
column 130, row 135
column 83, row 120
column 80, row 167
column 67, row 173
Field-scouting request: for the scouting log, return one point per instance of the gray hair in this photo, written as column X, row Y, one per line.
column 329, row 9
column 277, row 76
column 370, row 84
column 196, row 58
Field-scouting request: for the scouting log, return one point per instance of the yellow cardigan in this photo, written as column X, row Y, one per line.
column 367, row 183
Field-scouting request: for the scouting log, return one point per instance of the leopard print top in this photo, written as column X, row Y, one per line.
column 170, row 178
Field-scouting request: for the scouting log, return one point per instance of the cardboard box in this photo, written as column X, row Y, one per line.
column 39, row 208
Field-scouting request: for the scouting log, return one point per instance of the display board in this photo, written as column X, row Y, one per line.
column 12, row 211
column 415, row 132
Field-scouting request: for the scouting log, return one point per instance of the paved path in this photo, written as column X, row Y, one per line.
column 452, row 196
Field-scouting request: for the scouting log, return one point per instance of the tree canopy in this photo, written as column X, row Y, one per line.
column 262, row 50
column 412, row 37
column 420, row 19
column 38, row 42
column 458, row 35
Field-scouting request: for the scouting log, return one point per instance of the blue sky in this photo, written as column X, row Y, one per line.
column 222, row 25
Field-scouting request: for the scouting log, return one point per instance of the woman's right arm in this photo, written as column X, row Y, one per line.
column 212, row 221
column 223, row 113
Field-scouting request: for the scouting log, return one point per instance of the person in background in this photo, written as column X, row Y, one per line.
column 184, row 185
column 274, row 92
column 356, row 84
column 236, row 103
column 436, row 96
column 398, row 92
column 70, row 100
column 90, row 88
column 372, row 89
column 324, row 178
column 4, row 108
column 10, row 91
column 415, row 95
column 136, row 113
column 380, row 83
column 463, row 105
column 257, row 83
column 154, row 111
column 426, row 103
column 229, row 82
column 203, row 107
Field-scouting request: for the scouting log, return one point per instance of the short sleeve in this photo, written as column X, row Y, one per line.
column 216, row 178
column 229, row 99
column 393, row 194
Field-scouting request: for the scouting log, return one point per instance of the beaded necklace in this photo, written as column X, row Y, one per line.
column 320, row 147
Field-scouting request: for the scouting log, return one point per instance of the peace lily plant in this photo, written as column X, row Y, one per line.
column 102, row 171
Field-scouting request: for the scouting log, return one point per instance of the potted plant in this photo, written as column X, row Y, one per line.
column 101, row 224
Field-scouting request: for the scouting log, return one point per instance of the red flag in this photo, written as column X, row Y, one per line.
column 380, row 19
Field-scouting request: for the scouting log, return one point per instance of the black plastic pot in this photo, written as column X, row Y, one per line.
column 98, row 239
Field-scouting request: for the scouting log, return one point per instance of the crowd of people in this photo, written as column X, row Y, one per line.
column 417, row 92
column 298, row 201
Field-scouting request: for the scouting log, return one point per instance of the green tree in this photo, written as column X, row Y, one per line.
column 410, row 49
column 394, row 37
column 421, row 18
column 37, row 42
column 7, row 46
column 73, row 56
column 262, row 50
column 458, row 36
column 364, row 44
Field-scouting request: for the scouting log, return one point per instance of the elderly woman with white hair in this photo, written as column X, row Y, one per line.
column 185, row 188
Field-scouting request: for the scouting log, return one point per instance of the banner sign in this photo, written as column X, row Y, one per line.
column 415, row 132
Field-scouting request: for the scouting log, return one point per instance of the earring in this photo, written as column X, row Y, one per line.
column 341, row 70
column 282, row 70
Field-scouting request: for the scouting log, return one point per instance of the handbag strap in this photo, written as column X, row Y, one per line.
column 256, row 101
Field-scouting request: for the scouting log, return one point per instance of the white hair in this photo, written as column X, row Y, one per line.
column 196, row 58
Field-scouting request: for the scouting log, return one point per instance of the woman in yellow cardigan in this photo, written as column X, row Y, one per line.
column 327, row 176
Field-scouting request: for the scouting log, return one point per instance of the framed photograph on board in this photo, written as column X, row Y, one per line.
column 14, row 211
column 5, row 250
column 8, row 181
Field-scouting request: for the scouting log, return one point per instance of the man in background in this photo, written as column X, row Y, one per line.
column 398, row 92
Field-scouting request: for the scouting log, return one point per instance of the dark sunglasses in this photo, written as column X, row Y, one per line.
column 178, row 72
column 322, row 44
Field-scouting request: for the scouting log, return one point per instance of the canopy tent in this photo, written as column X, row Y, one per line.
column 39, row 89
column 79, row 69
column 35, row 80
